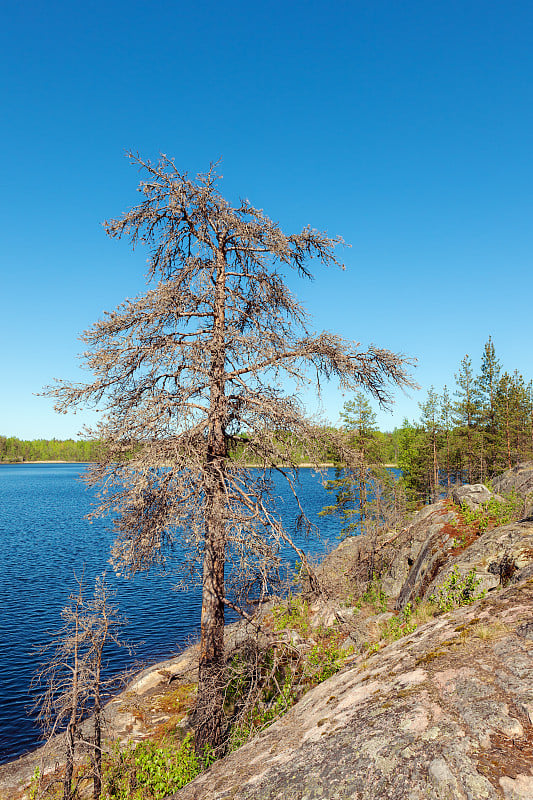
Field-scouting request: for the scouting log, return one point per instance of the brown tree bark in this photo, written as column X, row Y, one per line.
column 208, row 727
column 97, row 743
column 75, row 712
column 69, row 762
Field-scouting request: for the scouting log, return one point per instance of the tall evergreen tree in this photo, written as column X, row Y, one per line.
column 430, row 423
column 529, row 447
column 367, row 494
column 519, row 416
column 504, row 418
column 466, row 415
column 487, row 428
column 487, row 383
column 513, row 419
column 412, row 460
column 446, row 425
column 353, row 481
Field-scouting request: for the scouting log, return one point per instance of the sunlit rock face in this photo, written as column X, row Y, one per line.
column 497, row 557
column 446, row 712
column 473, row 495
column 519, row 478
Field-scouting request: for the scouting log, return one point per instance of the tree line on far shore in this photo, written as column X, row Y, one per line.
column 13, row 450
column 480, row 428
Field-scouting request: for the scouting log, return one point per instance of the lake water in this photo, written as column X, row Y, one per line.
column 44, row 539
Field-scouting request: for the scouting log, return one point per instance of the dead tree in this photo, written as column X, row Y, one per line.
column 72, row 684
column 200, row 365
column 102, row 624
column 65, row 678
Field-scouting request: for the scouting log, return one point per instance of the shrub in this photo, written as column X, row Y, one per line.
column 374, row 595
column 262, row 686
column 292, row 615
column 457, row 590
column 151, row 771
column 400, row 625
column 492, row 513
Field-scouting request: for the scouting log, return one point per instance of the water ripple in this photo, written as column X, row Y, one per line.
column 44, row 539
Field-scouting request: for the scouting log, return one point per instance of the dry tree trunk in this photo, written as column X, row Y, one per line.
column 209, row 711
column 97, row 753
column 72, row 724
column 69, row 760
column 208, row 722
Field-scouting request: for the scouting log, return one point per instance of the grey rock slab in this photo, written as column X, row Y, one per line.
column 519, row 479
column 513, row 543
column 473, row 495
column 423, row 718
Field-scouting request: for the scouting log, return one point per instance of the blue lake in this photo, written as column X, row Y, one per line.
column 45, row 539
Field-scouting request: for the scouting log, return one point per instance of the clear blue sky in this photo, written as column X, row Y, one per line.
column 407, row 128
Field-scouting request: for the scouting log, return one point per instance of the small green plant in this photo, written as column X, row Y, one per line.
column 292, row 615
column 240, row 734
column 323, row 661
column 459, row 542
column 400, row 625
column 36, row 787
column 271, row 702
column 457, row 590
column 261, row 686
column 150, row 771
column 492, row 513
column 264, row 688
column 236, row 682
column 374, row 595
column 282, row 701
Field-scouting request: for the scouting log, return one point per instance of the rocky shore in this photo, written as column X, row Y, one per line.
column 443, row 712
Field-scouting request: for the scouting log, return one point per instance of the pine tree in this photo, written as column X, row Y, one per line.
column 504, row 419
column 359, row 461
column 487, row 383
column 466, row 415
column 529, row 401
column 412, row 461
column 430, row 423
column 446, row 423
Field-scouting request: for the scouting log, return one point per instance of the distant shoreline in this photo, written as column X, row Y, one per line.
column 304, row 465
column 57, row 461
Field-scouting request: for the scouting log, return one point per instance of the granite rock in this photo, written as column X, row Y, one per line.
column 443, row 713
column 519, row 479
column 495, row 556
column 473, row 495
